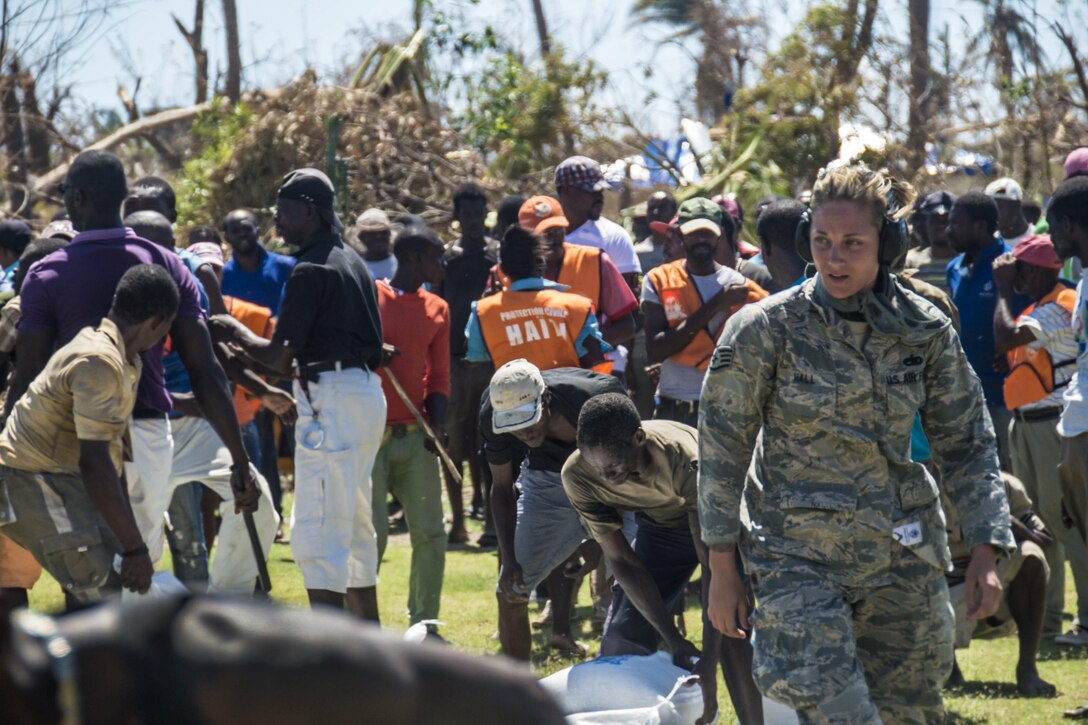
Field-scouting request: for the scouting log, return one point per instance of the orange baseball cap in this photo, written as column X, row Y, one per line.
column 539, row 213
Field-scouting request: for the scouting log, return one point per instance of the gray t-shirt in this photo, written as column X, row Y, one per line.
column 650, row 255
column 679, row 381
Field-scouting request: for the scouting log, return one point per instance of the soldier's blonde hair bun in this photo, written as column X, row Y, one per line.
column 854, row 181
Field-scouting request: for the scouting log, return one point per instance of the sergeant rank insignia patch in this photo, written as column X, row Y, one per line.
column 723, row 357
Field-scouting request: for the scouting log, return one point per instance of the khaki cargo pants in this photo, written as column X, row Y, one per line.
column 56, row 521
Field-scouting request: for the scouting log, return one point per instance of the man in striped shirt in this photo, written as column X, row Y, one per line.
column 1042, row 357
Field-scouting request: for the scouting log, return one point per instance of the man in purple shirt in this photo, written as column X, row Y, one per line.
column 74, row 287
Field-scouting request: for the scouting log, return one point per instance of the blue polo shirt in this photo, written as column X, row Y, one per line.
column 975, row 296
column 264, row 285
column 174, row 374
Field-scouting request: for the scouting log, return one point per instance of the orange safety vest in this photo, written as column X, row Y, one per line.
column 258, row 320
column 680, row 299
column 538, row 325
column 580, row 272
column 1031, row 372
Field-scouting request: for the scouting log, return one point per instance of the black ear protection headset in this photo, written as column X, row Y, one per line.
column 894, row 234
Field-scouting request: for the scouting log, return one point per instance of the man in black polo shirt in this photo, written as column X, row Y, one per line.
column 534, row 412
column 329, row 326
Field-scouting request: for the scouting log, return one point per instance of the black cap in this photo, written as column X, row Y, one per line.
column 313, row 186
column 939, row 202
column 15, row 234
column 507, row 210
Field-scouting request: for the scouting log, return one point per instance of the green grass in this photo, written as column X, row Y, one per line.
column 469, row 613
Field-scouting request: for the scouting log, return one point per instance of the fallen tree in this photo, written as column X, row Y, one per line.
column 140, row 127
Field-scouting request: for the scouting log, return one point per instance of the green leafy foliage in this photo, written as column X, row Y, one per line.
column 216, row 133
column 798, row 103
column 524, row 116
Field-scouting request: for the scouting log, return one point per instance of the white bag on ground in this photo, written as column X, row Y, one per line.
column 627, row 690
column 636, row 690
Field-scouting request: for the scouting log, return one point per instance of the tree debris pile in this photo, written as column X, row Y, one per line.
column 397, row 154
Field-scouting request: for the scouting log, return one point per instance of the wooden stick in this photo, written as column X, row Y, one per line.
column 423, row 424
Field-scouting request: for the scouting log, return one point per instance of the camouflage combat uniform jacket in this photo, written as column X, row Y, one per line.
column 831, row 484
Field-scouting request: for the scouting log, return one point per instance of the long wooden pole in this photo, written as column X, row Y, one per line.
column 426, row 427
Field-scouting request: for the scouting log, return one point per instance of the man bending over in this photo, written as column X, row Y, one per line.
column 61, row 452
column 650, row 469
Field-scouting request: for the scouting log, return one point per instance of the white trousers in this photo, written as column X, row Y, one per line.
column 333, row 538
column 169, row 454
column 148, row 478
column 199, row 455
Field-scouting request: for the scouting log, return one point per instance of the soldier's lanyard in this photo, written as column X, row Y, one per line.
column 312, row 437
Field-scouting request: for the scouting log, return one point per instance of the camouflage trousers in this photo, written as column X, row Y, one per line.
column 857, row 655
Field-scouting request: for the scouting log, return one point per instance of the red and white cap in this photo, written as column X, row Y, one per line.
column 1038, row 250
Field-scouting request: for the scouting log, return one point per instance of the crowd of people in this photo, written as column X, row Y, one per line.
column 867, row 425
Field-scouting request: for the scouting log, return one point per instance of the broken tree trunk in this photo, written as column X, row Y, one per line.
column 233, row 88
column 195, row 39
column 138, row 128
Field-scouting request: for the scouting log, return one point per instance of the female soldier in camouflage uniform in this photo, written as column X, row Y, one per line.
column 846, row 546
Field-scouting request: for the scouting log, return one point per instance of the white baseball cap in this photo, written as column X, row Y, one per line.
column 516, row 391
column 1005, row 188
column 373, row 220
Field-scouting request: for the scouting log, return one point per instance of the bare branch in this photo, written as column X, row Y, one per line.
column 35, row 129
column 1078, row 64
column 60, row 95
column 195, row 40
column 234, row 56
column 4, row 18
column 129, row 102
column 141, row 127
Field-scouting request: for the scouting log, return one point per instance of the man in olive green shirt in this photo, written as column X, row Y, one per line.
column 651, row 468
column 61, row 452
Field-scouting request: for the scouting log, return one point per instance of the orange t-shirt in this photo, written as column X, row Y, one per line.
column 418, row 324
column 257, row 320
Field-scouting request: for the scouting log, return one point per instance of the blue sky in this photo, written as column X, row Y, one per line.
column 282, row 37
